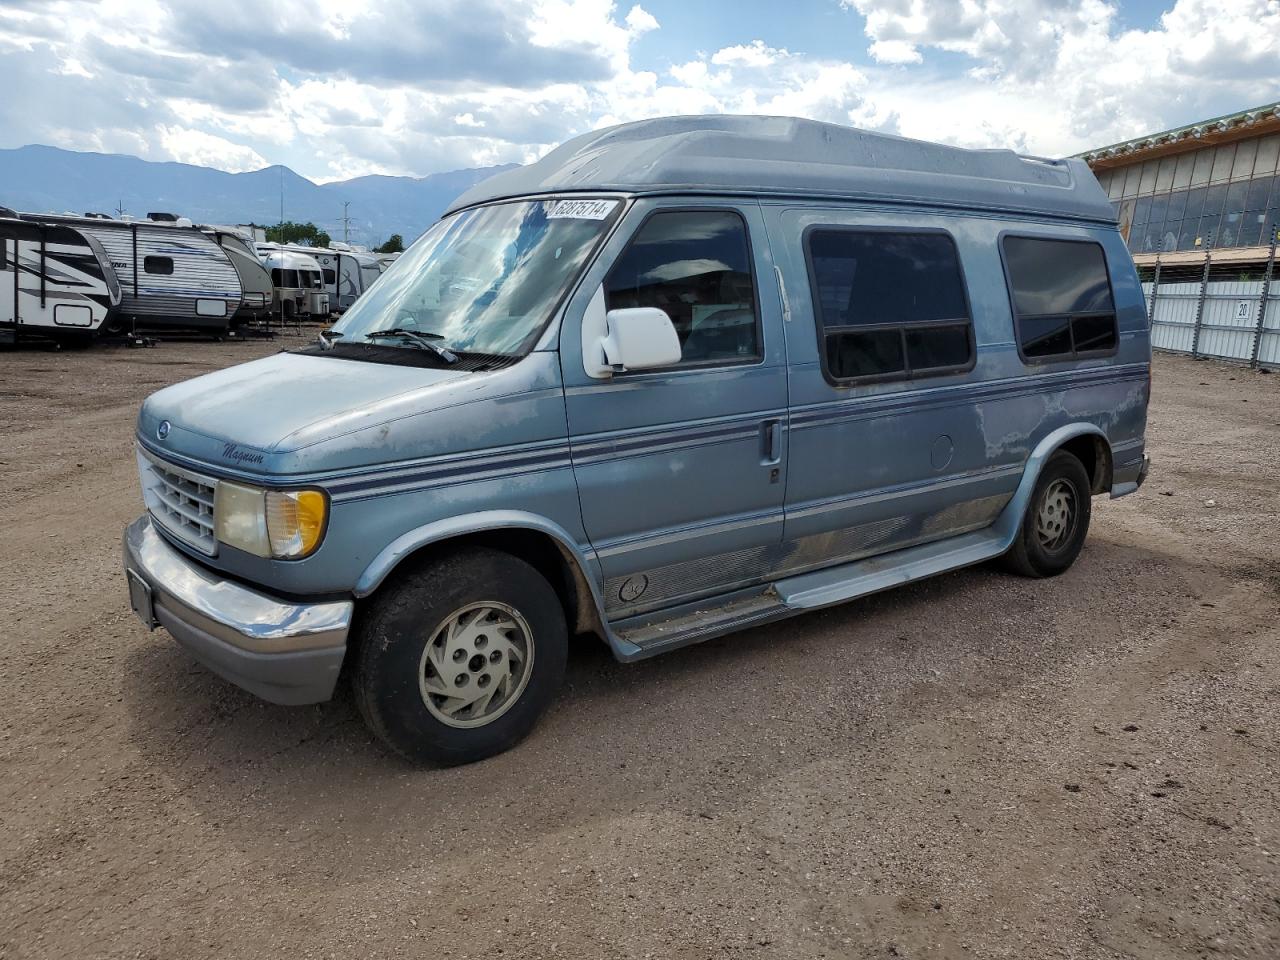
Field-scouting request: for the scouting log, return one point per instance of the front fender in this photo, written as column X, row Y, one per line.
column 1010, row 518
column 487, row 521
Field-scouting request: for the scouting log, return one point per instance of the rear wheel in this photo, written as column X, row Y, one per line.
column 458, row 660
column 1056, row 522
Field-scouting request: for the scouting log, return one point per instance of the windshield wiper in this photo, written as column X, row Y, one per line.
column 423, row 340
column 327, row 338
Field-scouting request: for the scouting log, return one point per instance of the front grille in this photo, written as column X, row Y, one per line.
column 179, row 500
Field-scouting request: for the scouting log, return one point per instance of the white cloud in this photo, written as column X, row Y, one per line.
column 204, row 149
column 639, row 20
column 1056, row 77
column 402, row 87
column 895, row 51
column 753, row 54
column 1005, row 35
column 751, row 78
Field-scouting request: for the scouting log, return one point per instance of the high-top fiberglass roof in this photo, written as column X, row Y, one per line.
column 783, row 156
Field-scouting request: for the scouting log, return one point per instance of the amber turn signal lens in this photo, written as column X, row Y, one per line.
column 295, row 521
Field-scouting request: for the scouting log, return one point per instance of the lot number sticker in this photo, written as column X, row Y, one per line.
column 582, row 209
column 1244, row 309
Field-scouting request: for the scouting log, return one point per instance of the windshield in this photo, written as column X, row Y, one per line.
column 484, row 280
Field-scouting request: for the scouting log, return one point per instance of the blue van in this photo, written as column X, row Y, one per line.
column 678, row 378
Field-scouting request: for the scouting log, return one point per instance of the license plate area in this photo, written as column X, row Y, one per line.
column 140, row 600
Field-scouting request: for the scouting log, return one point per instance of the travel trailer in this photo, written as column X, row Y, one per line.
column 298, row 282
column 171, row 275
column 339, row 272
column 257, row 290
column 676, row 379
column 55, row 281
column 346, row 272
column 370, row 270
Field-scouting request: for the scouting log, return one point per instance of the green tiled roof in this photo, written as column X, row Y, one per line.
column 1191, row 130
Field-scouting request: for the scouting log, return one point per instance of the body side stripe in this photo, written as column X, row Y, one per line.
column 895, row 491
column 884, row 404
column 405, row 476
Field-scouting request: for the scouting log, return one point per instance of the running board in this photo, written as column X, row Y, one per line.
column 641, row 637
column 838, row 584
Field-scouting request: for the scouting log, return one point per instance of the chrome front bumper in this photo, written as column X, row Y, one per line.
column 283, row 652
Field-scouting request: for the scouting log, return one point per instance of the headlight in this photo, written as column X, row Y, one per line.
column 240, row 517
column 280, row 524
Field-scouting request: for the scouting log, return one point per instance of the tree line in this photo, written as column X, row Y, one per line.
column 309, row 235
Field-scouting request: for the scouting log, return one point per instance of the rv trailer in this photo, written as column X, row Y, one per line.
column 171, row 275
column 298, row 281
column 55, row 282
column 347, row 273
column 340, row 273
column 370, row 270
column 257, row 291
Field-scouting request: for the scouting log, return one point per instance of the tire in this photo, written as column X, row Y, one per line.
column 448, row 604
column 1047, row 544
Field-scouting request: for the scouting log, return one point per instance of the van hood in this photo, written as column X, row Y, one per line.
column 294, row 414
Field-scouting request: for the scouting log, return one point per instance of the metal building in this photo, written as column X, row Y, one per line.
column 1199, row 207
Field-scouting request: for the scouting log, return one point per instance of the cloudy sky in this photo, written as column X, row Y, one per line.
column 341, row 88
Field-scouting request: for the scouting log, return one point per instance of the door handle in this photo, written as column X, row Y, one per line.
column 782, row 294
column 769, row 446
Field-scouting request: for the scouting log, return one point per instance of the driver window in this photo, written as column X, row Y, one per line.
column 695, row 265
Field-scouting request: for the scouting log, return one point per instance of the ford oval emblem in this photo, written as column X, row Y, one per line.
column 162, row 431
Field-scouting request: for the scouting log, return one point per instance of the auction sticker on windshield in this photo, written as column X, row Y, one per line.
column 582, row 209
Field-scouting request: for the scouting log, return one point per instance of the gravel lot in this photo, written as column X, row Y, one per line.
column 977, row 766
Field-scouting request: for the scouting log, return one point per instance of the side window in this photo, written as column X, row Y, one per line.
column 695, row 265
column 161, row 265
column 277, row 277
column 888, row 305
column 330, row 277
column 1061, row 296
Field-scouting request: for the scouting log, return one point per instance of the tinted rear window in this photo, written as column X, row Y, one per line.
column 889, row 305
column 1061, row 297
column 876, row 277
column 1057, row 276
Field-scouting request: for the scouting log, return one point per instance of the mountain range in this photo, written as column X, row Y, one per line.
column 40, row 179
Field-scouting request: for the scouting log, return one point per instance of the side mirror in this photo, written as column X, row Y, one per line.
column 640, row 338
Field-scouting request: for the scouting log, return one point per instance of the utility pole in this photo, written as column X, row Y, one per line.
column 346, row 222
column 120, row 207
column 282, row 194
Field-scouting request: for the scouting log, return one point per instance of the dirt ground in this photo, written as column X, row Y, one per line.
column 977, row 766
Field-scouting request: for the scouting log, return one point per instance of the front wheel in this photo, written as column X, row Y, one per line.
column 458, row 660
column 1056, row 522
